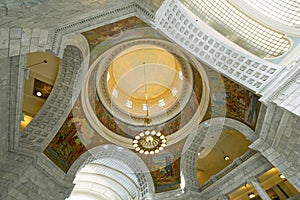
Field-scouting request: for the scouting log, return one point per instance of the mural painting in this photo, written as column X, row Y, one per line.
column 73, row 139
column 165, row 168
column 102, row 38
column 66, row 146
column 112, row 31
column 231, row 100
column 241, row 104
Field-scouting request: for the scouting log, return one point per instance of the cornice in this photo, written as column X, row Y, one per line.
column 99, row 19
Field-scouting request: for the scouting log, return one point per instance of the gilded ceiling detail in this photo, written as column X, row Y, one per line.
column 144, row 69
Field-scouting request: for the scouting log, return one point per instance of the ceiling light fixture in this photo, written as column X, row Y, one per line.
column 39, row 94
column 148, row 141
column 226, row 158
column 251, row 195
column 282, row 176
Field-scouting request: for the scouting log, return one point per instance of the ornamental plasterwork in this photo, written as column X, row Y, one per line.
column 174, row 21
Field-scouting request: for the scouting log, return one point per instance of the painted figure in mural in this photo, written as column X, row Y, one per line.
column 168, row 167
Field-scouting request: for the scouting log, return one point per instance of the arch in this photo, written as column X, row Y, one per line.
column 195, row 140
column 83, row 180
column 113, row 156
column 72, row 70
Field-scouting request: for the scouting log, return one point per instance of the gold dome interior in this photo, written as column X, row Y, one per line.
column 144, row 70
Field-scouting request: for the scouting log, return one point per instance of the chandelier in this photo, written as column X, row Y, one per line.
column 148, row 141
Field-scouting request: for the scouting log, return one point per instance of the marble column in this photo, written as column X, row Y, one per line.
column 261, row 192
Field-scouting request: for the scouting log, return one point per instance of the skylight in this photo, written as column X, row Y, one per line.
column 284, row 11
column 239, row 28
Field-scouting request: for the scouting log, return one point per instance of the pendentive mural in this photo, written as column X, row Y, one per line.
column 231, row 100
column 76, row 135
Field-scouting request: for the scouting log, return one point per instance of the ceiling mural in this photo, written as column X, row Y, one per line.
column 102, row 38
column 76, row 135
column 165, row 168
column 66, row 146
column 112, row 31
column 231, row 100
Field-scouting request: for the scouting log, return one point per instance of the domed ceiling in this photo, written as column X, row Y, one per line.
column 139, row 80
column 144, row 71
column 139, row 58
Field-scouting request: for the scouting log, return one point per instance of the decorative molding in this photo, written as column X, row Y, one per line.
column 287, row 95
column 47, row 122
column 99, row 19
column 174, row 21
column 67, row 87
